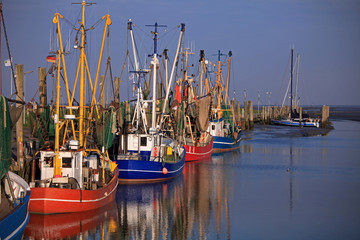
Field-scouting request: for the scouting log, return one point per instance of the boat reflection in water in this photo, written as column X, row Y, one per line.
column 93, row 224
column 194, row 205
column 149, row 209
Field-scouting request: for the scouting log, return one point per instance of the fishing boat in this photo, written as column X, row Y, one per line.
column 194, row 112
column 148, row 155
column 14, row 214
column 223, row 127
column 75, row 175
column 294, row 118
column 14, row 191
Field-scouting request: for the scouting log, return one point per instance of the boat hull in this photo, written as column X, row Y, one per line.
column 194, row 153
column 225, row 144
column 140, row 171
column 46, row 200
column 13, row 225
column 295, row 123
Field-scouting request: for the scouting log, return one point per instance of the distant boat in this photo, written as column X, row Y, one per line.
column 148, row 155
column 75, row 175
column 293, row 118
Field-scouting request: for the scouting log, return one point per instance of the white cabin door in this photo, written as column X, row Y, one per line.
column 78, row 168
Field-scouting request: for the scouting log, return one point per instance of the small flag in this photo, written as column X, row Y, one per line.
column 7, row 63
column 51, row 58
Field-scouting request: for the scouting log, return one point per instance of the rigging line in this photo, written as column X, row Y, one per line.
column 32, row 99
column 70, row 23
column 142, row 40
column 172, row 37
column 62, row 77
column 8, row 48
column 111, row 79
column 137, row 53
column 95, row 24
column 284, row 82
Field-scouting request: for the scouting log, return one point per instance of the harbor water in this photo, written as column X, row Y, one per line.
column 284, row 183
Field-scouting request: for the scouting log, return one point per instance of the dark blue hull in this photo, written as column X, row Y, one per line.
column 148, row 171
column 226, row 144
column 13, row 225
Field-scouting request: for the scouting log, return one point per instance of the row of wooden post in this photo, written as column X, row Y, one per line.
column 245, row 116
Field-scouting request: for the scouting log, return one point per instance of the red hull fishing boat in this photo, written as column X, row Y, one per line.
column 190, row 115
column 199, row 151
column 75, row 175
column 48, row 200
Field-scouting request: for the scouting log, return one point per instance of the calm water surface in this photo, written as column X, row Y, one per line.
column 280, row 185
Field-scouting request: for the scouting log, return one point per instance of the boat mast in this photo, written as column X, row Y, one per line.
column 172, row 73
column 297, row 81
column 155, row 63
column 228, row 79
column 139, row 108
column 82, row 53
column 291, row 82
column 57, row 167
column 202, row 57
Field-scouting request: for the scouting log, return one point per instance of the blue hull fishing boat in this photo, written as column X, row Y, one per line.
column 13, row 224
column 147, row 154
column 225, row 144
column 225, row 140
column 139, row 170
column 14, row 191
column 222, row 127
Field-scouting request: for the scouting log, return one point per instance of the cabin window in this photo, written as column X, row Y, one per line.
column 213, row 127
column 143, row 141
column 48, row 162
column 66, row 162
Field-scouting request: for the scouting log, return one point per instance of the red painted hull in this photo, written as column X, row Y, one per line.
column 194, row 153
column 58, row 200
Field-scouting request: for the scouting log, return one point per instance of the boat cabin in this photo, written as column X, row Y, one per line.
column 74, row 167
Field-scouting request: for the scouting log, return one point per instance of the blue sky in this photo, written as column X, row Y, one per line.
column 260, row 34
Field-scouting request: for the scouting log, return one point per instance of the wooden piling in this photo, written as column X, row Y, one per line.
column 117, row 90
column 238, row 112
column 102, row 90
column 42, row 88
column 19, row 69
column 300, row 116
column 325, row 116
column 246, row 115
column 251, row 115
column 232, row 103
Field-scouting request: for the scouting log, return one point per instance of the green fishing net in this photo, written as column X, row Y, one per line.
column 5, row 136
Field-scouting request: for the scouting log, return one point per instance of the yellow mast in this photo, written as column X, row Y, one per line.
column 82, row 53
column 57, row 164
column 219, row 86
column 227, row 80
column 56, row 21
